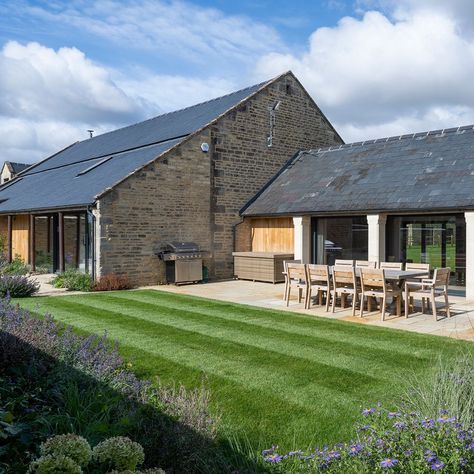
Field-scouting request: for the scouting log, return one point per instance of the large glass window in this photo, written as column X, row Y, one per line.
column 437, row 240
column 339, row 237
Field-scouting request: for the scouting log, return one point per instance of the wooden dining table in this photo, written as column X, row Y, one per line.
column 397, row 277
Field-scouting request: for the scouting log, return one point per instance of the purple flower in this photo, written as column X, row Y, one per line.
column 408, row 452
column 363, row 428
column 471, row 446
column 437, row 465
column 430, row 456
column 389, row 462
column 427, row 423
column 295, row 453
column 334, row 454
column 399, row 425
column 368, row 411
column 446, row 419
column 355, row 449
column 394, row 414
column 273, row 458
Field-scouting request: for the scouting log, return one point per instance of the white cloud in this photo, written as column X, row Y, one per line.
column 377, row 75
column 39, row 82
column 179, row 29
column 173, row 92
column 48, row 99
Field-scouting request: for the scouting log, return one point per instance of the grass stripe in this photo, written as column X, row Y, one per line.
column 279, row 377
column 308, row 346
column 227, row 357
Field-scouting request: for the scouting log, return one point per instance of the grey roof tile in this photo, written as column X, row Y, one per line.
column 53, row 183
column 421, row 171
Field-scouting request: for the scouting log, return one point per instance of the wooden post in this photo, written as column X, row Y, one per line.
column 48, row 245
column 61, row 241
column 9, row 239
column 32, row 246
column 78, row 239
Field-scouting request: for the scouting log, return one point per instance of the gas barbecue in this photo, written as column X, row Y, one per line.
column 183, row 262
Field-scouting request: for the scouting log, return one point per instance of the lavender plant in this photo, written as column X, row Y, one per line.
column 388, row 442
column 17, row 286
column 86, row 387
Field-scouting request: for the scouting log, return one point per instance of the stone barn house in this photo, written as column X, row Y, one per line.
column 109, row 203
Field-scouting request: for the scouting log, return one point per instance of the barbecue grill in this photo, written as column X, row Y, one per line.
column 183, row 262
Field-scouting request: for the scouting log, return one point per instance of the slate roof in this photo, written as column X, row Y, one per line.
column 429, row 171
column 54, row 182
column 18, row 167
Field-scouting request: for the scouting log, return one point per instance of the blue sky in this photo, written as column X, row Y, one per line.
column 375, row 67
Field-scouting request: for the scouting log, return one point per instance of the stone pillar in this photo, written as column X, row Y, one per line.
column 469, row 216
column 302, row 238
column 376, row 244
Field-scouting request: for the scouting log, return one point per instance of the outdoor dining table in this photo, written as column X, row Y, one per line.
column 397, row 277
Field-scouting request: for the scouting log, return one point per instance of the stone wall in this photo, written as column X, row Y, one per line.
column 242, row 162
column 191, row 195
column 166, row 200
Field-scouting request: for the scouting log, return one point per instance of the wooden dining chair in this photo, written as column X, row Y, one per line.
column 319, row 280
column 418, row 267
column 365, row 264
column 344, row 263
column 285, row 274
column 344, row 283
column 374, row 285
column 429, row 289
column 296, row 274
column 391, row 265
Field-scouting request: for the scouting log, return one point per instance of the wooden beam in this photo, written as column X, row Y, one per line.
column 48, row 245
column 9, row 239
column 32, row 246
column 61, row 241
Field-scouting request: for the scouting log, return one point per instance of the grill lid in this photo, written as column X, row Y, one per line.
column 182, row 247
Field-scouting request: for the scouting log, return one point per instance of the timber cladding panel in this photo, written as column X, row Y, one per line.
column 20, row 236
column 272, row 235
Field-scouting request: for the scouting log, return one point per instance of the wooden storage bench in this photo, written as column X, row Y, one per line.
column 260, row 266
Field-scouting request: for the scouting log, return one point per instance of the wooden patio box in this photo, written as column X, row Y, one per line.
column 260, row 266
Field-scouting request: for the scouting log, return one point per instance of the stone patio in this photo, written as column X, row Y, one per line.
column 266, row 295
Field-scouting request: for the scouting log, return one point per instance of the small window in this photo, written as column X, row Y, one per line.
column 95, row 165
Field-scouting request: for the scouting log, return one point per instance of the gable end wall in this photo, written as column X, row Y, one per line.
column 191, row 195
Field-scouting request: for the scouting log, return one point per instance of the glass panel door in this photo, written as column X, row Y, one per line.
column 437, row 240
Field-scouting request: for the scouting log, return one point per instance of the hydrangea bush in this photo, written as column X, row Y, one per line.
column 71, row 445
column 119, row 453
column 388, row 442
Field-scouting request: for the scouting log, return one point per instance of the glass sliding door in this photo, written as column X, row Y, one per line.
column 437, row 240
column 339, row 237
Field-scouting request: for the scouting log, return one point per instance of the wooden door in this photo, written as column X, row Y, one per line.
column 20, row 236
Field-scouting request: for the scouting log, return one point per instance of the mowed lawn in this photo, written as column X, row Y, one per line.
column 276, row 377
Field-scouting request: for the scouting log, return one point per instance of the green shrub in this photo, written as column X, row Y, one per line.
column 54, row 465
column 119, row 453
column 16, row 267
column 73, row 280
column 17, row 286
column 69, row 445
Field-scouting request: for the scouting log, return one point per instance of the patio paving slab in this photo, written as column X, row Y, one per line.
column 267, row 295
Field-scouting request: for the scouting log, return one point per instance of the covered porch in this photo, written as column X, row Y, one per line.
column 50, row 242
column 440, row 240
